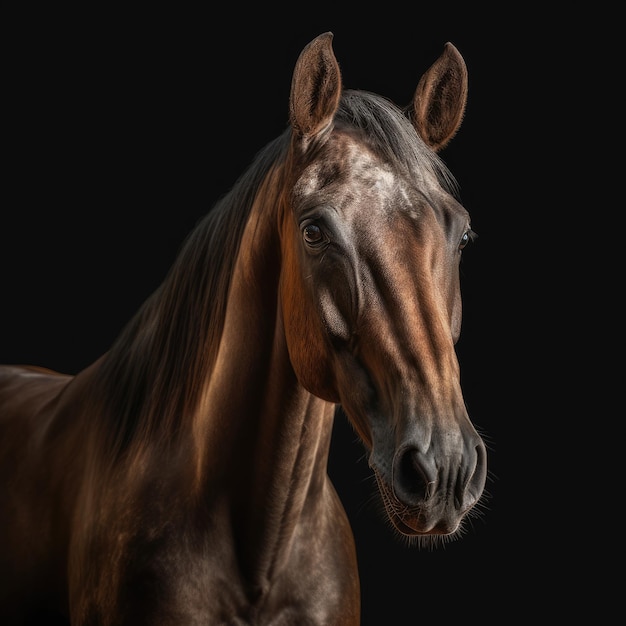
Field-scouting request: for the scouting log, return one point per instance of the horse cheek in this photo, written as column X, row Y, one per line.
column 307, row 342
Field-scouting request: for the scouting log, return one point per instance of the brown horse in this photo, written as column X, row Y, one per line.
column 182, row 477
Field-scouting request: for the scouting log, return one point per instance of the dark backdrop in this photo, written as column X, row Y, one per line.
column 125, row 129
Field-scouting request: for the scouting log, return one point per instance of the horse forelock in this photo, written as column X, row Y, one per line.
column 153, row 373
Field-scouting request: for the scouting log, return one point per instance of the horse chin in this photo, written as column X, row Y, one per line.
column 414, row 526
column 415, row 521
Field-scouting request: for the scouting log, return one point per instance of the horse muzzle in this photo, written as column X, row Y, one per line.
column 429, row 493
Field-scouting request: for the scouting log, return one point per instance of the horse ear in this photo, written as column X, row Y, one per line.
column 440, row 98
column 315, row 87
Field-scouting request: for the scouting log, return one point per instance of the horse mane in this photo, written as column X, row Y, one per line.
column 151, row 378
column 153, row 373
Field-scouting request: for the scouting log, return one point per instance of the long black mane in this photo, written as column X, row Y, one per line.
column 153, row 372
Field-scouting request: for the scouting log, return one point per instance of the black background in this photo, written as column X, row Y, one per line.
column 123, row 129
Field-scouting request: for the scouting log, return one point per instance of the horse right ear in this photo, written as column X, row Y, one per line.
column 315, row 88
column 440, row 98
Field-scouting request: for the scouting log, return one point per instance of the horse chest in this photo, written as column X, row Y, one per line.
column 170, row 584
column 197, row 572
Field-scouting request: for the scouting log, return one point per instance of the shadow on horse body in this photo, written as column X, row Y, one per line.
column 182, row 477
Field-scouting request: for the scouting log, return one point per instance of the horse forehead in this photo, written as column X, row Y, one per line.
column 347, row 167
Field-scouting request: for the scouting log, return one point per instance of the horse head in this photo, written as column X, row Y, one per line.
column 372, row 237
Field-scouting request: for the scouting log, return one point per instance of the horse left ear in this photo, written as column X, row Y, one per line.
column 315, row 88
column 440, row 98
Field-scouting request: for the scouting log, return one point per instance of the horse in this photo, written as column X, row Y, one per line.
column 181, row 478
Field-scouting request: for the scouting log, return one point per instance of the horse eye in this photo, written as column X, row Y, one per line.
column 468, row 235
column 312, row 234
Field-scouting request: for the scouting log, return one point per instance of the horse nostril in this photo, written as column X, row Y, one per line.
column 472, row 478
column 477, row 481
column 415, row 477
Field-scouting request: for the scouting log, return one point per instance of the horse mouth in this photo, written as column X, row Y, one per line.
column 415, row 520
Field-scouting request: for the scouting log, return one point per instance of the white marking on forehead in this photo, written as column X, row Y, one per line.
column 309, row 180
column 347, row 170
column 362, row 166
column 384, row 180
column 411, row 211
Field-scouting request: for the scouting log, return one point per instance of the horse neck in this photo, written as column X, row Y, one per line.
column 262, row 440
